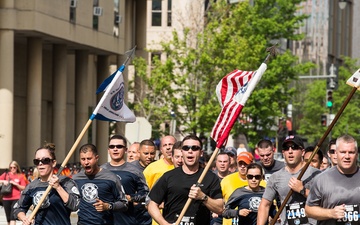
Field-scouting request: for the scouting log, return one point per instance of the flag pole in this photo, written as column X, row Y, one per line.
column 81, row 135
column 272, row 52
column 317, row 147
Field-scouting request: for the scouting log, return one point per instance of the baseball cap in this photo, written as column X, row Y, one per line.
column 294, row 139
column 230, row 150
column 246, row 157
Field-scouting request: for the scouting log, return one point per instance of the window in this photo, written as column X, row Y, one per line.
column 156, row 13
column 95, row 17
column 169, row 13
column 155, row 56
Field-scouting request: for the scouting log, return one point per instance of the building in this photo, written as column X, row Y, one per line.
column 53, row 56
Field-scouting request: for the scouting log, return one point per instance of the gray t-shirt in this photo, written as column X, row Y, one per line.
column 269, row 170
column 294, row 211
column 331, row 188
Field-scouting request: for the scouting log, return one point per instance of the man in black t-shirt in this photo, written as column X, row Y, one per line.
column 177, row 185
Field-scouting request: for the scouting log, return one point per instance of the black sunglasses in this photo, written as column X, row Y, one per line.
column 192, row 147
column 332, row 151
column 44, row 161
column 293, row 147
column 250, row 177
column 117, row 146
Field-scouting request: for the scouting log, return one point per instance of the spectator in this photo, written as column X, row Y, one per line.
column 18, row 183
column 325, row 164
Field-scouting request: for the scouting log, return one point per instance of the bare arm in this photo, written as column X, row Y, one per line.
column 263, row 211
column 154, row 211
column 214, row 205
column 319, row 213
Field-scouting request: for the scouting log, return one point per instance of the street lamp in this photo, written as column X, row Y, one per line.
column 343, row 3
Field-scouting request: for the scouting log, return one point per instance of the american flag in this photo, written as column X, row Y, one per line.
column 233, row 91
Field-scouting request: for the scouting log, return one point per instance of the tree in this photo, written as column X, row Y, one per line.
column 234, row 36
column 314, row 106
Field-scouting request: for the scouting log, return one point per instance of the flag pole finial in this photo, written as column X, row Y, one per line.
column 272, row 52
column 129, row 54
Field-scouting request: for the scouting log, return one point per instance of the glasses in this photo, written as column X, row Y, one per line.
column 332, row 151
column 13, row 167
column 44, row 161
column 192, row 147
column 250, row 177
column 117, row 146
column 293, row 147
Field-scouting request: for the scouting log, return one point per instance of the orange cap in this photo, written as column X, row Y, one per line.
column 246, row 157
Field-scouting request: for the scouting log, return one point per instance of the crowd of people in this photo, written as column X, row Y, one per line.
column 134, row 188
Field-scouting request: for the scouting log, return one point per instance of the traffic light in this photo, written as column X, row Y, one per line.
column 324, row 120
column 329, row 98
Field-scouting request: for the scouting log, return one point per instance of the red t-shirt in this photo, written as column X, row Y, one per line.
column 17, row 178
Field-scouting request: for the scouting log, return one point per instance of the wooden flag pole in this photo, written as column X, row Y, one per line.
column 317, row 147
column 71, row 152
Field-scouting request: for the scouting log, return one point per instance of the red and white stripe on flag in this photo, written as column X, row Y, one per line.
column 225, row 121
column 233, row 91
column 231, row 84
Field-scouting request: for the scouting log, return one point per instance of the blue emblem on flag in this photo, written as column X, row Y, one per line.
column 117, row 100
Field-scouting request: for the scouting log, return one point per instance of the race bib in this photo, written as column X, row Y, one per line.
column 295, row 213
column 351, row 216
column 187, row 220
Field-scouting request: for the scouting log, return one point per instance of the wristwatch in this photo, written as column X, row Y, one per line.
column 302, row 192
column 110, row 206
column 205, row 198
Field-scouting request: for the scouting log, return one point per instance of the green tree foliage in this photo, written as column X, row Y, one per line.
column 315, row 105
column 235, row 37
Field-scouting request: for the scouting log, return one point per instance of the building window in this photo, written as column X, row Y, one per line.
column 156, row 13
column 95, row 17
column 169, row 13
column 117, row 18
column 73, row 5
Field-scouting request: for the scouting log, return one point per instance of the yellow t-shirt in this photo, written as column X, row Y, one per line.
column 155, row 170
column 229, row 184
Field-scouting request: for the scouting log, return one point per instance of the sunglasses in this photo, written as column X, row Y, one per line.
column 44, row 161
column 117, row 146
column 13, row 167
column 332, row 151
column 250, row 177
column 293, row 147
column 192, row 147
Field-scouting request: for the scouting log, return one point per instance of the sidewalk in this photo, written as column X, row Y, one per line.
column 3, row 221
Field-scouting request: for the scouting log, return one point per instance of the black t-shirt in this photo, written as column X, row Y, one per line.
column 173, row 189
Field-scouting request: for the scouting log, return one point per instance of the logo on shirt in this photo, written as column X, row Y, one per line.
column 254, row 203
column 89, row 192
column 36, row 199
